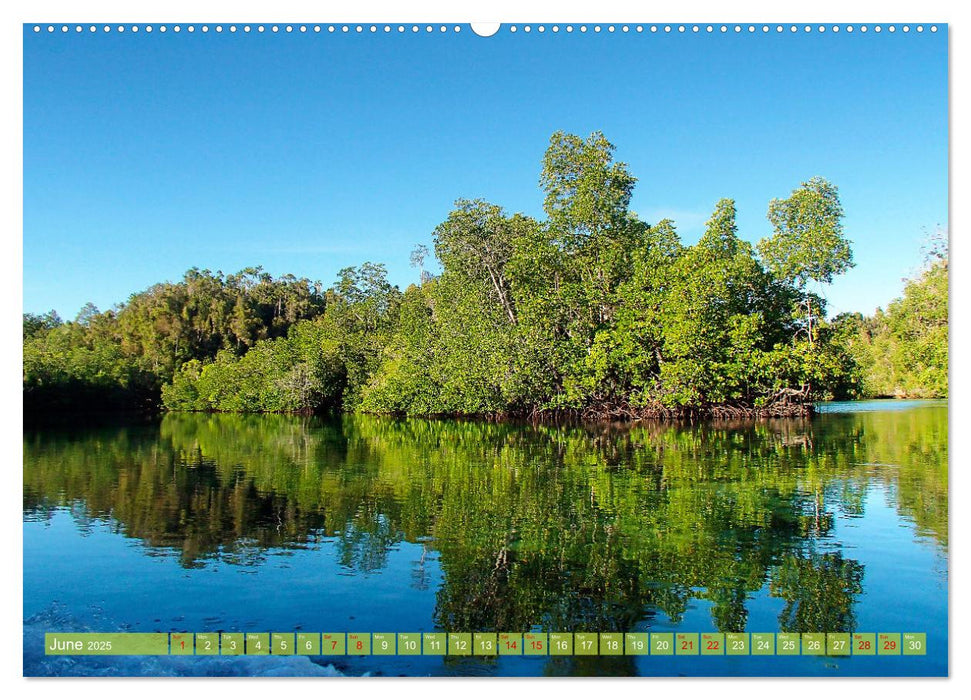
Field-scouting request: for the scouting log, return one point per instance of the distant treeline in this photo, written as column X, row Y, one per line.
column 590, row 311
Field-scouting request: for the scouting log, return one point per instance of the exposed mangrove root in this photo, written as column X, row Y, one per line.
column 785, row 403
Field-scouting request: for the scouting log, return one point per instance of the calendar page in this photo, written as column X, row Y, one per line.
column 535, row 349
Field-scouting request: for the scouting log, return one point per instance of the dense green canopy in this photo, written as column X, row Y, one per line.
column 903, row 351
column 591, row 310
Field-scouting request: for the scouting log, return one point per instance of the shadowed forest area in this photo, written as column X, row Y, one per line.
column 590, row 312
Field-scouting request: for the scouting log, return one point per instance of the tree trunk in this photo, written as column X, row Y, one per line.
column 809, row 314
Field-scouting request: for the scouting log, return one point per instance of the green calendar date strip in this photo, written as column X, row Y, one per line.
column 487, row 644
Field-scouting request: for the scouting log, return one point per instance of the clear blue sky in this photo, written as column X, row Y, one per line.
column 148, row 154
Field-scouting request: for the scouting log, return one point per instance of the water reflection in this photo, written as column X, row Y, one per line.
column 568, row 528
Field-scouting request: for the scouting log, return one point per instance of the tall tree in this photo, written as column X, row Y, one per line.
column 417, row 258
column 808, row 244
column 476, row 241
column 586, row 190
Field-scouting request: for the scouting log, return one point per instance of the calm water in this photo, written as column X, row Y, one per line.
column 277, row 523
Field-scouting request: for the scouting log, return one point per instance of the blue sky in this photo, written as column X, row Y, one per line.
column 148, row 154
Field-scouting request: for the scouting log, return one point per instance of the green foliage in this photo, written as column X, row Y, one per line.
column 903, row 351
column 403, row 382
column 808, row 244
column 611, row 315
column 322, row 363
column 587, row 192
column 121, row 358
column 35, row 324
column 475, row 243
column 591, row 310
column 713, row 320
column 273, row 377
column 204, row 313
column 81, row 364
